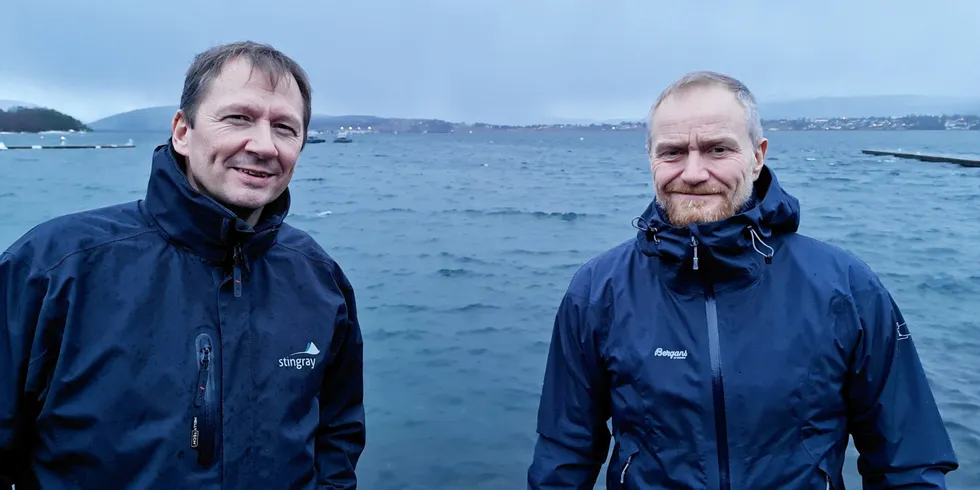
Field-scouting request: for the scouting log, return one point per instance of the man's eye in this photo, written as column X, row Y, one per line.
column 287, row 128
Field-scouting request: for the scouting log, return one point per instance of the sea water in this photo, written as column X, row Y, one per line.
column 461, row 245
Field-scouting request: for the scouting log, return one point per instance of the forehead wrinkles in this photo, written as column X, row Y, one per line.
column 257, row 91
column 271, row 82
column 681, row 132
column 701, row 108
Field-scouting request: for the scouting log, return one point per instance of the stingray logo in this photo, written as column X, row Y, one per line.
column 903, row 330
column 302, row 359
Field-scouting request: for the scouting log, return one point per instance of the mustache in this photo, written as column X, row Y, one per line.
column 696, row 191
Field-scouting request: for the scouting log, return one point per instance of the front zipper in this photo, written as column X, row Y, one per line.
column 694, row 245
column 238, row 257
column 717, row 380
column 204, row 420
column 718, row 388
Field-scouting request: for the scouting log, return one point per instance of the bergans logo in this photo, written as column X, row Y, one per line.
column 672, row 354
column 302, row 359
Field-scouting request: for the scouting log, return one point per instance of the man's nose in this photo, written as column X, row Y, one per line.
column 262, row 142
column 695, row 171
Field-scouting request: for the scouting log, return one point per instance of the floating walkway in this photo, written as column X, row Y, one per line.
column 63, row 146
column 964, row 161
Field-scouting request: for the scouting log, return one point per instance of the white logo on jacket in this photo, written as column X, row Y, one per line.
column 903, row 330
column 672, row 354
column 307, row 359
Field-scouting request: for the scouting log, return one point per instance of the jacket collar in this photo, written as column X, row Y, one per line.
column 197, row 222
column 729, row 252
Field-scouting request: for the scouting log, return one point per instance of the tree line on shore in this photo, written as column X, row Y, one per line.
column 36, row 120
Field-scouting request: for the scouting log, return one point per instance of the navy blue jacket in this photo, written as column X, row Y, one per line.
column 165, row 344
column 736, row 354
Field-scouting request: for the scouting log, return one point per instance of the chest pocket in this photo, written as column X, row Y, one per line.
column 656, row 357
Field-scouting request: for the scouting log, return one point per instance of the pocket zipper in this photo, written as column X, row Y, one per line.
column 203, row 437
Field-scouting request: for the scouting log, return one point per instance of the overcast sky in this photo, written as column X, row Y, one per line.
column 505, row 61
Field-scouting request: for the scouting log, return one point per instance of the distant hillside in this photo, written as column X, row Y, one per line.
column 36, row 120
column 879, row 106
column 159, row 119
column 148, row 119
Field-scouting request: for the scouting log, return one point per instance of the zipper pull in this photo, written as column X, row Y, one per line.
column 694, row 245
column 195, row 434
column 238, row 256
column 202, row 377
column 622, row 476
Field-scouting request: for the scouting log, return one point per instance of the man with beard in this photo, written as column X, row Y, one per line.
column 729, row 350
column 191, row 339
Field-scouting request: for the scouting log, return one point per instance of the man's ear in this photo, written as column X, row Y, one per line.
column 760, row 158
column 178, row 132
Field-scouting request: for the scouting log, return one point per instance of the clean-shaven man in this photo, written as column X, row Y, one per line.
column 191, row 339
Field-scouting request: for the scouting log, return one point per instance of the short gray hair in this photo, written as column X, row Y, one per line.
column 208, row 65
column 701, row 78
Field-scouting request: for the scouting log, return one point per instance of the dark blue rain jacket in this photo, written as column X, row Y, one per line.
column 165, row 344
column 737, row 354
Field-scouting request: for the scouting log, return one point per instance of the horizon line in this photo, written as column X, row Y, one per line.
column 579, row 121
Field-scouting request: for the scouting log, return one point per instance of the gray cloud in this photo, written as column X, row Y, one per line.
column 499, row 61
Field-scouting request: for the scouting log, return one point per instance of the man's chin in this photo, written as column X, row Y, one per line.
column 247, row 201
column 686, row 213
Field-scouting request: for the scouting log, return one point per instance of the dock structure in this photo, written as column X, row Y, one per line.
column 964, row 161
column 63, row 146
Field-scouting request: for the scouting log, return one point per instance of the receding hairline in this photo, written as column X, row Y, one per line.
column 703, row 79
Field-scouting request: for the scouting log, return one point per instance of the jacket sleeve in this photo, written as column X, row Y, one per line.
column 341, row 435
column 894, row 420
column 21, row 299
column 573, row 440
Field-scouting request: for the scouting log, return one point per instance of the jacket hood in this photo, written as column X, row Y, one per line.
column 199, row 223
column 727, row 249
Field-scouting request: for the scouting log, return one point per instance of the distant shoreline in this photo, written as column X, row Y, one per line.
column 158, row 119
column 903, row 123
column 46, row 120
column 533, row 129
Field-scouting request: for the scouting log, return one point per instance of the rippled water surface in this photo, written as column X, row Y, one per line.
column 460, row 246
